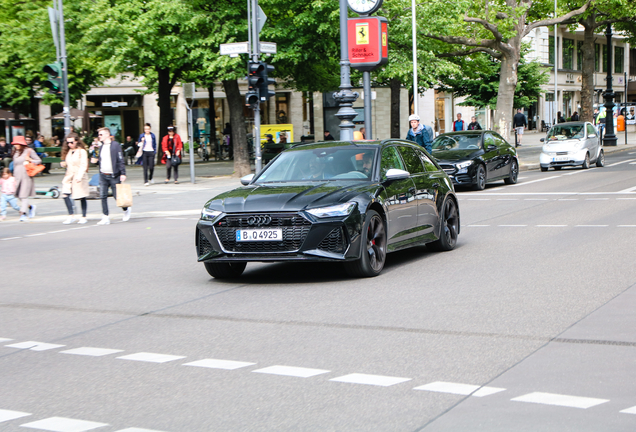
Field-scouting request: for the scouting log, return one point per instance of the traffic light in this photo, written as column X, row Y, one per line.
column 264, row 92
column 55, row 82
column 254, row 81
column 251, row 99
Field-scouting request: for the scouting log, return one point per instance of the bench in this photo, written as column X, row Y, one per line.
column 50, row 150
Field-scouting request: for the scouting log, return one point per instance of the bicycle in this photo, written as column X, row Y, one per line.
column 202, row 152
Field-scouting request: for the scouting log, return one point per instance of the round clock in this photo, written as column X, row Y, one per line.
column 364, row 7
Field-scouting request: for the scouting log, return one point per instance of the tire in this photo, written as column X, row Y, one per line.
column 55, row 193
column 586, row 162
column 225, row 270
column 480, row 178
column 373, row 257
column 514, row 173
column 449, row 229
column 544, row 169
column 600, row 161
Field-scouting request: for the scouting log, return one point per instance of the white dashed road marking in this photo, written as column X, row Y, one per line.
column 300, row 372
column 560, row 400
column 219, row 364
column 460, row 389
column 137, row 430
column 5, row 339
column 621, row 162
column 631, row 410
column 34, row 346
column 62, row 424
column 378, row 380
column 151, row 357
column 6, row 415
column 592, row 226
column 93, row 352
column 551, row 226
column 509, row 226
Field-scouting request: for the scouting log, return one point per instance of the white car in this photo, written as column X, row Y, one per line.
column 572, row 144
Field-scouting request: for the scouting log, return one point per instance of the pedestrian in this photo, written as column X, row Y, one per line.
column 575, row 116
column 75, row 182
column 519, row 122
column 474, row 124
column 227, row 132
column 148, row 149
column 328, row 136
column 5, row 153
column 24, row 184
column 130, row 149
column 458, row 125
column 560, row 118
column 600, row 120
column 358, row 136
column 595, row 119
column 172, row 146
column 363, row 131
column 112, row 171
column 418, row 134
column 7, row 185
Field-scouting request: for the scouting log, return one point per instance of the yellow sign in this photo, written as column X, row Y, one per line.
column 362, row 33
column 383, row 39
column 279, row 132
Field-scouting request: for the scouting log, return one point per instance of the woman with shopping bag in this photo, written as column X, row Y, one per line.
column 26, row 164
column 75, row 182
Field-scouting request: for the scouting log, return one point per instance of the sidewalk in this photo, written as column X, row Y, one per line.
column 530, row 148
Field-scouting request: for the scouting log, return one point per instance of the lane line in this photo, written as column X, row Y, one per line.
column 294, row 371
column 151, row 357
column 626, row 226
column 35, row 235
column 63, row 424
column 92, row 352
column 219, row 364
column 512, row 225
column 596, row 199
column 477, row 226
column 535, row 181
column 507, row 199
column 378, row 380
column 536, row 199
column 631, row 410
column 460, row 389
column 621, row 162
column 560, row 400
column 551, row 226
column 6, row 415
column 592, row 226
column 34, row 346
column 631, row 189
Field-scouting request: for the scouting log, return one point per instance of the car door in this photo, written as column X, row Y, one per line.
column 425, row 190
column 592, row 141
column 491, row 156
column 399, row 199
column 505, row 156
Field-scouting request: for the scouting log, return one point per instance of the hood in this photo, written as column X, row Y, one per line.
column 456, row 155
column 286, row 196
column 562, row 145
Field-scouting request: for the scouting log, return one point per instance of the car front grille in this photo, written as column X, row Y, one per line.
column 204, row 247
column 334, row 242
column 295, row 229
column 448, row 169
column 562, row 153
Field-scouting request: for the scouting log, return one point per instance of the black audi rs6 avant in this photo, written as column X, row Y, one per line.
column 349, row 202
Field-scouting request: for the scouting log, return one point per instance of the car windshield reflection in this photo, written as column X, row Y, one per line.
column 457, row 142
column 560, row 133
column 320, row 164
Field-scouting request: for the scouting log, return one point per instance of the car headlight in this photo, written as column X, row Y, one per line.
column 462, row 167
column 208, row 214
column 333, row 211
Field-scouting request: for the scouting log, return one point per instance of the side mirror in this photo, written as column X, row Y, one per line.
column 542, row 140
column 245, row 180
column 491, row 147
column 397, row 174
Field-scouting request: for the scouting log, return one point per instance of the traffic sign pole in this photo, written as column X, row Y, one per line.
column 67, row 109
column 256, row 134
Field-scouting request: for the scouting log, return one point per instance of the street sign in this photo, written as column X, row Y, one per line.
column 268, row 47
column 114, row 104
column 261, row 18
column 368, row 42
column 235, row 48
column 188, row 90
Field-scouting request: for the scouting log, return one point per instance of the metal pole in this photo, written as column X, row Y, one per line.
column 415, row 92
column 345, row 97
column 191, row 146
column 610, row 137
column 625, row 115
column 556, row 62
column 67, row 109
column 256, row 50
column 368, row 124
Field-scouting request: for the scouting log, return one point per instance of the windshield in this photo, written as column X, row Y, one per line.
column 560, row 133
column 319, row 164
column 457, row 142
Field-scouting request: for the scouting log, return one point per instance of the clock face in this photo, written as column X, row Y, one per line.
column 364, row 6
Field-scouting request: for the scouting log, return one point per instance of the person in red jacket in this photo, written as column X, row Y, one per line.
column 172, row 146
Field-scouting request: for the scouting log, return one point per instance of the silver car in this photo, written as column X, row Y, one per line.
column 572, row 144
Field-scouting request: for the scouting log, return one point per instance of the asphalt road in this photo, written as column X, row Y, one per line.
column 527, row 325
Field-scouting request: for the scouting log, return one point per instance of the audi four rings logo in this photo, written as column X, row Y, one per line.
column 259, row 220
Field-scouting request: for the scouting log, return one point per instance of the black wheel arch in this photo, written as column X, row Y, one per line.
column 440, row 207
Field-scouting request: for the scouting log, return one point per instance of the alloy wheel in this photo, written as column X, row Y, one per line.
column 376, row 243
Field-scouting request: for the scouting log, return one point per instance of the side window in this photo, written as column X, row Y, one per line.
column 412, row 161
column 499, row 141
column 390, row 159
column 488, row 140
column 590, row 130
column 430, row 166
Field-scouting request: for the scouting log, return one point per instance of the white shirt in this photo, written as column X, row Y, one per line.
column 148, row 143
column 106, row 165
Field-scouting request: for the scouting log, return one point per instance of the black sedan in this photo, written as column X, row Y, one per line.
column 349, row 202
column 474, row 158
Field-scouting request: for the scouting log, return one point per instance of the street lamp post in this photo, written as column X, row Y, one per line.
column 610, row 138
column 345, row 97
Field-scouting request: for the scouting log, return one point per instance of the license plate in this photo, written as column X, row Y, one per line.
column 560, row 158
column 247, row 235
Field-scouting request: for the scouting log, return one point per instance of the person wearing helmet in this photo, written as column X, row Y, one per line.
column 418, row 133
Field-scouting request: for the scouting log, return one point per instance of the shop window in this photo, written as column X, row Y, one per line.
column 282, row 108
column 619, row 54
column 568, row 53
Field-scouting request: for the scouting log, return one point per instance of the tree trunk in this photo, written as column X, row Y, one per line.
column 506, row 94
column 396, row 86
column 237, row 121
column 165, row 111
column 587, row 74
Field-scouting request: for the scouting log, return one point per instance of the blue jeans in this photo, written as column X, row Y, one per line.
column 12, row 200
column 108, row 181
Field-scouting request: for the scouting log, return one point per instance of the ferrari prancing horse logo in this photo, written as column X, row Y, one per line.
column 362, row 33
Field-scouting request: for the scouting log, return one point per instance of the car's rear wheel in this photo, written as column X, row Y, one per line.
column 225, row 270
column 450, row 228
column 544, row 169
column 586, row 162
column 480, row 178
column 373, row 256
column 514, row 173
column 600, row 161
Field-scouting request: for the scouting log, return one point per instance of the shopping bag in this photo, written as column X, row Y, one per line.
column 124, row 195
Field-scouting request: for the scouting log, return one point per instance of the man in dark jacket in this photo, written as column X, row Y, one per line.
column 474, row 124
column 418, row 133
column 519, row 122
column 112, row 171
column 328, row 136
column 5, row 153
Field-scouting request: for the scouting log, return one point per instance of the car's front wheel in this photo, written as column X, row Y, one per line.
column 586, row 162
column 450, row 228
column 514, row 173
column 373, row 256
column 600, row 161
column 480, row 178
column 225, row 270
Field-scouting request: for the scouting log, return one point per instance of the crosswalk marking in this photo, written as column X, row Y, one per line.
column 6, row 415
column 5, row 339
column 63, row 424
column 378, row 380
column 460, row 389
column 560, row 400
column 151, row 357
column 34, row 346
column 219, row 364
column 300, row 372
column 93, row 352
column 631, row 410
column 134, row 429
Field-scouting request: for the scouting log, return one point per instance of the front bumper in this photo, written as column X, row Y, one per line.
column 467, row 178
column 569, row 158
column 304, row 238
